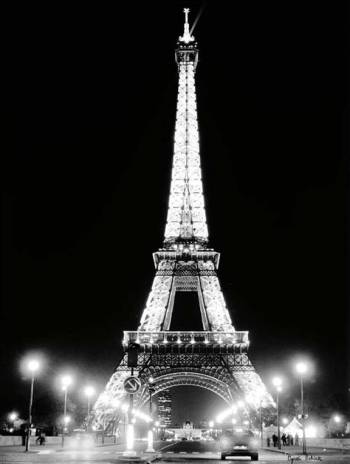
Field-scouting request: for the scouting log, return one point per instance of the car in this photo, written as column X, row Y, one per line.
column 239, row 443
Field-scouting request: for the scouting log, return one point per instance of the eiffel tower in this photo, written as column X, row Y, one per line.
column 216, row 358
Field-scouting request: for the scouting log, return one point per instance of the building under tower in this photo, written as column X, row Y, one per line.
column 164, row 408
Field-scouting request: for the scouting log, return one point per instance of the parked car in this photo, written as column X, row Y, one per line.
column 239, row 443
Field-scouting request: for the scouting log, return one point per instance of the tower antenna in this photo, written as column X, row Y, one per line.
column 187, row 37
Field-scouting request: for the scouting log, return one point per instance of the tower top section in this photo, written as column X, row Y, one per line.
column 186, row 219
column 186, row 37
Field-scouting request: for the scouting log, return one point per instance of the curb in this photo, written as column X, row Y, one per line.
column 275, row 450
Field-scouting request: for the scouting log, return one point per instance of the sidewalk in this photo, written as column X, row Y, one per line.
column 117, row 449
column 311, row 450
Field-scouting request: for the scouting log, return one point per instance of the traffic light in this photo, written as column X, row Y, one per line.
column 133, row 350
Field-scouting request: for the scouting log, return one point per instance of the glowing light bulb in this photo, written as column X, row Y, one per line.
column 33, row 365
column 301, row 367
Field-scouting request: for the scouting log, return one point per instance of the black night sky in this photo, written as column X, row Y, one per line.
column 92, row 116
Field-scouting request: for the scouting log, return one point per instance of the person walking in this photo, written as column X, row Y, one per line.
column 284, row 439
column 274, row 439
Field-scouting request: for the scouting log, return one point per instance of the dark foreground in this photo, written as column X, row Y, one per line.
column 180, row 452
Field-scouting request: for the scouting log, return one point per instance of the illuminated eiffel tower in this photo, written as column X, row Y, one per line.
column 215, row 358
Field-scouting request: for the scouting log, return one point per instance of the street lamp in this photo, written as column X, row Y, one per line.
column 33, row 366
column 66, row 381
column 125, row 408
column 151, row 390
column 13, row 416
column 277, row 382
column 89, row 392
column 262, row 405
column 301, row 369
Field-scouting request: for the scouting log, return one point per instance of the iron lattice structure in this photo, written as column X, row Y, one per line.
column 217, row 357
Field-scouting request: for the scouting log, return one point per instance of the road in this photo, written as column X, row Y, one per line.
column 179, row 452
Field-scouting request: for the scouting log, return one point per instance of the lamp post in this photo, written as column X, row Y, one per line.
column 33, row 366
column 151, row 390
column 261, row 424
column 125, row 408
column 277, row 382
column 301, row 368
column 66, row 381
column 89, row 392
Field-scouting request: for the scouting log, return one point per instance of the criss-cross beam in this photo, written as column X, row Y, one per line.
column 196, row 379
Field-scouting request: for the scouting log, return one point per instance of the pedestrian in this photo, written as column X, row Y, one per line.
column 38, row 437
column 291, row 440
column 24, row 432
column 274, row 439
column 268, row 440
column 284, row 439
column 296, row 440
column 42, row 438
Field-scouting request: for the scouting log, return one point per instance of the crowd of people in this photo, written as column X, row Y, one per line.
column 286, row 440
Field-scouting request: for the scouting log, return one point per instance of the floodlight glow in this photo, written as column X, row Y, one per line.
column 115, row 403
column 311, row 431
column 234, row 421
column 224, row 414
column 246, row 422
column 301, row 367
column 277, row 382
column 89, row 391
column 150, row 448
column 157, row 423
column 33, row 365
column 211, row 424
column 337, row 419
column 125, row 407
column 151, row 379
column 240, row 404
column 142, row 415
column 285, row 421
column 13, row 416
column 130, row 437
column 66, row 420
column 66, row 381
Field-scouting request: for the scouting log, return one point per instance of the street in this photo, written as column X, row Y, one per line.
column 181, row 452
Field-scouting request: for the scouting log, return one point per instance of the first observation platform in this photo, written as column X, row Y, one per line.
column 176, row 341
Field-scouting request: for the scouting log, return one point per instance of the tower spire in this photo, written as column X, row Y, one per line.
column 187, row 37
column 186, row 220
